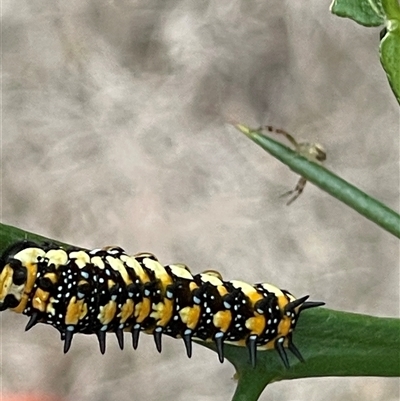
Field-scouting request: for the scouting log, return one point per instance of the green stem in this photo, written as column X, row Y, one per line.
column 9, row 235
column 333, row 343
column 329, row 182
column 247, row 388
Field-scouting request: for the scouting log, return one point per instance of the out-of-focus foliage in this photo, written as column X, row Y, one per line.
column 372, row 13
column 365, row 12
column 390, row 45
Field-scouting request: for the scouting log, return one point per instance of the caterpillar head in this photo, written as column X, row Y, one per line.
column 17, row 275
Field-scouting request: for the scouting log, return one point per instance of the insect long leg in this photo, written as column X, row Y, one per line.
column 314, row 152
column 289, row 137
column 297, row 191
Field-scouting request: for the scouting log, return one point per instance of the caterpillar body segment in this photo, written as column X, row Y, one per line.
column 107, row 290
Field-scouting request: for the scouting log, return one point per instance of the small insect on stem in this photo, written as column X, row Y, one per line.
column 313, row 152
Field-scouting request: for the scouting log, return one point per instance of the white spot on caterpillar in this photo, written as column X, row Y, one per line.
column 85, row 275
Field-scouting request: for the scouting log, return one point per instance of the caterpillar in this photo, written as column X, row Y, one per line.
column 106, row 290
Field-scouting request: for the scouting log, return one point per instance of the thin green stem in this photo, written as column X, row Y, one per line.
column 9, row 235
column 333, row 343
column 362, row 203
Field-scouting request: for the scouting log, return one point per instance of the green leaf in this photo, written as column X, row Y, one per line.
column 329, row 182
column 332, row 343
column 390, row 46
column 9, row 235
column 375, row 13
column 365, row 12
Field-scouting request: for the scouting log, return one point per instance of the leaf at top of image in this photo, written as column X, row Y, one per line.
column 390, row 59
column 390, row 45
column 365, row 12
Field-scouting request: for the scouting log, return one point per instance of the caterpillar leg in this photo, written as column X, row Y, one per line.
column 187, row 339
column 294, row 349
column 157, row 337
column 135, row 335
column 219, row 343
column 120, row 337
column 101, row 337
column 281, row 351
column 252, row 347
column 68, row 338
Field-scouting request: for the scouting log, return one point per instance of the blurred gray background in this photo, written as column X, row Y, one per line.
column 115, row 131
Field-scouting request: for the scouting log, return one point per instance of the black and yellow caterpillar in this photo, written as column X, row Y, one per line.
column 106, row 290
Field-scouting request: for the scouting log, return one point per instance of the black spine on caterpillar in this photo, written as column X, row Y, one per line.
column 107, row 290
